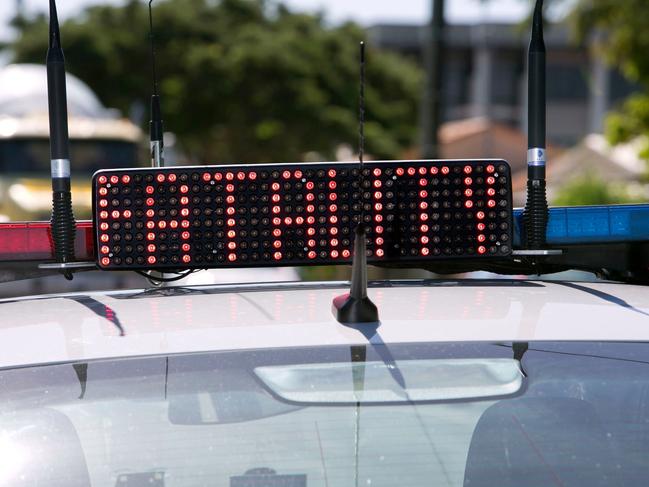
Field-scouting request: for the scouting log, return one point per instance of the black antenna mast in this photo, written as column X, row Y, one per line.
column 63, row 223
column 156, row 126
column 536, row 208
column 356, row 307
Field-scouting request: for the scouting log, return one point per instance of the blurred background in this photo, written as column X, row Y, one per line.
column 247, row 81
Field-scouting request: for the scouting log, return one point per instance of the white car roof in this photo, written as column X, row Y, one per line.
column 62, row 328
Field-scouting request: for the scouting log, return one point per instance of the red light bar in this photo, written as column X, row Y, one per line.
column 32, row 241
column 298, row 214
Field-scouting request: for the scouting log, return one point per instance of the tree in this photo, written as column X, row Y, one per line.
column 621, row 30
column 241, row 80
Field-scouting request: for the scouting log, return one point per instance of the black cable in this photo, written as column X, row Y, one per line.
column 178, row 277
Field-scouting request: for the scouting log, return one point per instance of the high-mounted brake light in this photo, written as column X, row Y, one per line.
column 289, row 214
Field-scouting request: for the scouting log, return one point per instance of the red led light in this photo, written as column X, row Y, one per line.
column 423, row 217
column 229, row 188
column 217, row 176
column 103, row 214
column 288, row 220
column 173, row 224
column 241, row 176
column 231, row 222
column 115, row 214
column 481, row 238
column 311, row 243
column 334, row 242
column 423, row 228
column 252, row 176
column 491, row 180
column 185, row 223
column 297, row 174
column 104, row 238
column 310, row 197
column 103, row 191
column 105, row 261
column 127, row 214
column 333, row 196
column 377, row 183
column 286, row 174
column 102, row 179
column 346, row 253
column 481, row 249
column 232, row 234
column 378, row 206
column 481, row 226
column 184, row 188
column 310, row 220
column 468, row 181
column 207, row 176
column 423, row 193
column 103, row 203
column 150, row 225
column 468, row 204
column 380, row 253
column 379, row 241
column 491, row 191
column 333, row 219
column 160, row 178
column 151, row 259
column 186, row 259
column 424, row 240
column 445, row 170
column 422, row 170
column 334, row 254
column 150, row 201
column 425, row 251
column 491, row 203
column 114, row 179
column 186, row 247
column 467, row 169
column 150, row 236
column 229, row 176
column 276, row 209
column 434, row 170
column 490, row 168
column 277, row 255
column 332, row 173
column 309, row 185
column 277, row 221
column 184, row 235
column 275, row 198
column 400, row 171
column 172, row 178
column 277, row 232
column 149, row 189
column 277, row 244
column 230, row 211
column 184, row 200
column 232, row 245
column 332, row 184
column 378, row 218
column 379, row 229
column 480, row 215
column 411, row 171
column 150, row 213
column 104, row 226
column 310, row 232
column 312, row 254
column 423, row 182
column 378, row 195
column 333, row 208
column 151, row 248
column 229, row 199
column 162, row 224
column 333, row 231
column 468, row 192
column 299, row 220
column 275, row 186
column 376, row 172
column 232, row 257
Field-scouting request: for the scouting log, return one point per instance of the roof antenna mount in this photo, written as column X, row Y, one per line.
column 156, row 126
column 536, row 208
column 356, row 307
column 62, row 222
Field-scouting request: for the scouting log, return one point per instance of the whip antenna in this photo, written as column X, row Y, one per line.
column 156, row 126
column 536, row 207
column 356, row 307
column 63, row 223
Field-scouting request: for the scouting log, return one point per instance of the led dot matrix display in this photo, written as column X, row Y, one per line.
column 296, row 214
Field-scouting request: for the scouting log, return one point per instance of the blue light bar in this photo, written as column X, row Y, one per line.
column 592, row 224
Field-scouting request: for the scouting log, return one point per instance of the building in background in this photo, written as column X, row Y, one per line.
column 485, row 76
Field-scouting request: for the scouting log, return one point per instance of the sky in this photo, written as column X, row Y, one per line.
column 366, row 12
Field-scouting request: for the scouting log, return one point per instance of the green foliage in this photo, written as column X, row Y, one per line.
column 620, row 28
column 242, row 80
column 590, row 189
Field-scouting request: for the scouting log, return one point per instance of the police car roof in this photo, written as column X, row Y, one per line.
column 80, row 327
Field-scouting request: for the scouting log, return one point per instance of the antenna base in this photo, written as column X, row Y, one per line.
column 353, row 311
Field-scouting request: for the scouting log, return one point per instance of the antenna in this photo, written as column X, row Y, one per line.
column 156, row 126
column 63, row 223
column 356, row 307
column 536, row 208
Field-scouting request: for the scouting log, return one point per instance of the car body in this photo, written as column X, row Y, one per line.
column 241, row 385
